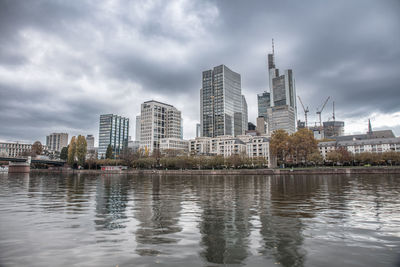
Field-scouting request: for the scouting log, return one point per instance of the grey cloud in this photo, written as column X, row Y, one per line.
column 347, row 50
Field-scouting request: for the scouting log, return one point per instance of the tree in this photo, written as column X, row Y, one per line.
column 109, row 152
column 279, row 145
column 72, row 151
column 64, row 153
column 302, row 144
column 81, row 149
column 334, row 156
column 37, row 148
column 345, row 156
column 315, row 158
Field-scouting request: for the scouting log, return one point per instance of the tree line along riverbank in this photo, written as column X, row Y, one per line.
column 261, row 171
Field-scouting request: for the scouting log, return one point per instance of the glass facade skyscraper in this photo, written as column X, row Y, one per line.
column 264, row 102
column 221, row 103
column 114, row 131
column 282, row 109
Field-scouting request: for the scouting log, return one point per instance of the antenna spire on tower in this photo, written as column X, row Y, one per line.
column 273, row 50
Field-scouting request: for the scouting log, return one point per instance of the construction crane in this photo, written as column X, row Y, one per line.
column 306, row 110
column 319, row 111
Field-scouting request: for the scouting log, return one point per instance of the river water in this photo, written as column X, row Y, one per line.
column 124, row 220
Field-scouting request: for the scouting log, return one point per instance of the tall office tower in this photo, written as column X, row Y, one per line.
column 137, row 130
column 221, row 103
column 114, row 131
column 198, row 130
column 56, row 141
column 245, row 116
column 264, row 102
column 90, row 142
column 158, row 120
column 282, row 112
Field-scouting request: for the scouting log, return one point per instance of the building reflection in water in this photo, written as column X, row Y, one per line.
column 111, row 201
column 157, row 209
column 225, row 226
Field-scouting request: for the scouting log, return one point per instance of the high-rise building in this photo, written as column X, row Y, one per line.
column 198, row 130
column 114, row 131
column 221, row 103
column 282, row 111
column 158, row 120
column 138, row 129
column 264, row 102
column 56, row 141
column 245, row 116
column 90, row 142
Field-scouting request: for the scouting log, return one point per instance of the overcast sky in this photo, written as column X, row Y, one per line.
column 63, row 63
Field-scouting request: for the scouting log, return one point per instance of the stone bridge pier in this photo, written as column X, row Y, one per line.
column 20, row 167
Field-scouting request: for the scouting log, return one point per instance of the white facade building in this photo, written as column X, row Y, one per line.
column 248, row 145
column 378, row 145
column 14, row 149
column 158, row 121
column 56, row 141
column 174, row 144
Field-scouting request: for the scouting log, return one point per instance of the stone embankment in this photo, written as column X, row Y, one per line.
column 358, row 170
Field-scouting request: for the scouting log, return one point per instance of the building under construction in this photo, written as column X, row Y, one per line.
column 333, row 128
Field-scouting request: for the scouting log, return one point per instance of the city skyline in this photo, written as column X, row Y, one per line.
column 60, row 68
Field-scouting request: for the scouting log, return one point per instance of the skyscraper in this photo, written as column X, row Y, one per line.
column 245, row 116
column 114, row 131
column 264, row 102
column 221, row 103
column 158, row 120
column 281, row 114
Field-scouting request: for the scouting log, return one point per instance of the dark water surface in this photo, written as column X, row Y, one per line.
column 109, row 220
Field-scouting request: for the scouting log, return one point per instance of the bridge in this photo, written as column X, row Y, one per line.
column 24, row 164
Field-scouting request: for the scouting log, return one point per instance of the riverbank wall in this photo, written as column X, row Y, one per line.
column 307, row 171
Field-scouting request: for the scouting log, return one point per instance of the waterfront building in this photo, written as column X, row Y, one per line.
column 174, row 144
column 56, row 141
column 114, row 131
column 14, row 149
column 138, row 128
column 158, row 120
column 369, row 135
column 222, row 105
column 376, row 145
column 245, row 145
column 282, row 110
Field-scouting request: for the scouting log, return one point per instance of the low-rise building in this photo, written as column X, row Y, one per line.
column 232, row 146
column 247, row 145
column 377, row 145
column 174, row 144
column 16, row 149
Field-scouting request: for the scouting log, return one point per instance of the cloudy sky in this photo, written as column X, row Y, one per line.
column 63, row 63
